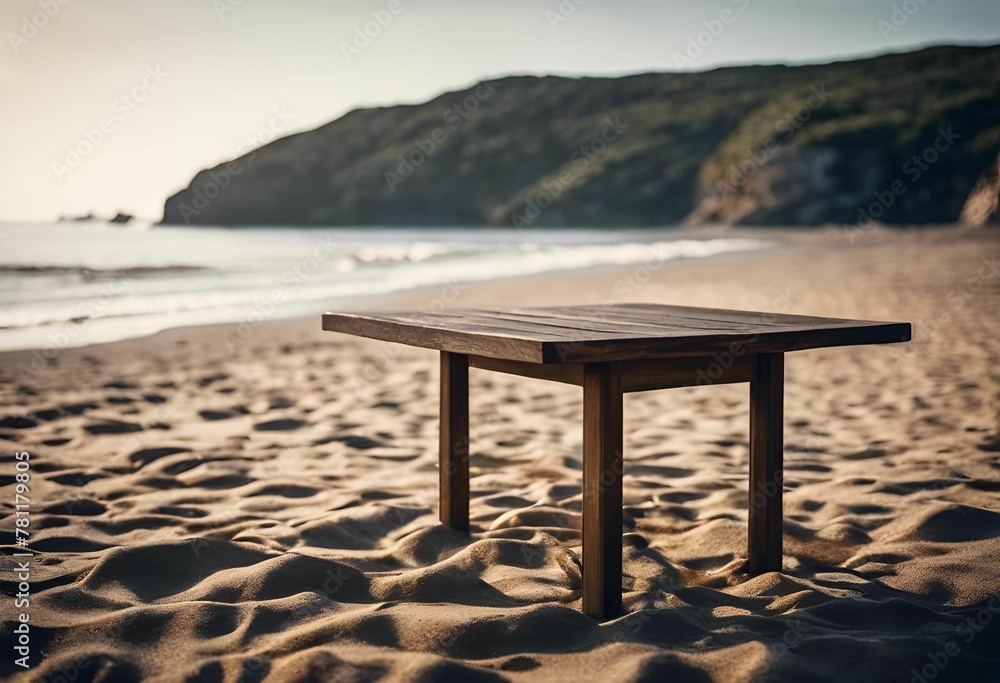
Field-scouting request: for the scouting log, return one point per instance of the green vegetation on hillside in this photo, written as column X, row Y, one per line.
column 757, row 145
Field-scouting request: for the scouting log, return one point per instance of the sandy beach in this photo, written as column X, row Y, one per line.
column 259, row 502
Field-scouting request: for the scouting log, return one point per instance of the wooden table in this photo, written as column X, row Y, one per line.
column 610, row 350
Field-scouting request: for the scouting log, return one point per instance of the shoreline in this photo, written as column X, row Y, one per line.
column 404, row 297
column 779, row 238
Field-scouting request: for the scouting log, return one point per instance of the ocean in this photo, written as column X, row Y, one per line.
column 74, row 284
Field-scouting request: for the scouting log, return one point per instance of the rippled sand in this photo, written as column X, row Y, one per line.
column 269, row 512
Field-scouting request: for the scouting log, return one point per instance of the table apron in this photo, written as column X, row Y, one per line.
column 637, row 375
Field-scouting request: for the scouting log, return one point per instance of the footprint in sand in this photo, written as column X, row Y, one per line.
column 214, row 415
column 119, row 384
column 81, row 507
column 282, row 425
column 148, row 455
column 47, row 414
column 209, row 379
column 18, row 422
column 680, row 496
column 991, row 445
column 224, row 413
column 182, row 466
column 112, row 427
column 520, row 663
column 78, row 408
column 180, row 511
column 77, row 478
column 218, row 482
column 867, row 454
column 287, row 491
column 361, row 443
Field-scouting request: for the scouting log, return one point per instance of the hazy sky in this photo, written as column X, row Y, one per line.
column 178, row 85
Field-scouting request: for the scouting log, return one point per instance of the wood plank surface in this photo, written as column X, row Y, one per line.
column 585, row 334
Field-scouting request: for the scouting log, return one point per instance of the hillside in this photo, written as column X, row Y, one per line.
column 764, row 145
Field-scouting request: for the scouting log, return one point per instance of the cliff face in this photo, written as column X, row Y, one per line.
column 983, row 205
column 902, row 136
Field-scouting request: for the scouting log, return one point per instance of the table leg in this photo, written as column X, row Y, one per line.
column 453, row 453
column 766, row 480
column 602, row 490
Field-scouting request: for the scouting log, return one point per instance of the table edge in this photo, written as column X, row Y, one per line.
column 553, row 352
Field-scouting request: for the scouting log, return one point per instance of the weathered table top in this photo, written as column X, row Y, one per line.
column 584, row 334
